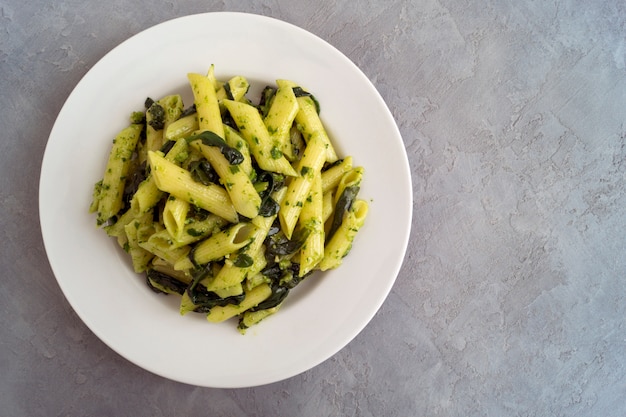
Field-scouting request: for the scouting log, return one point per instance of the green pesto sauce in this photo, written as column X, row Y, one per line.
column 276, row 153
column 193, row 232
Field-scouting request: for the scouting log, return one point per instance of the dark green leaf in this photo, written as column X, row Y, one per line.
column 343, row 205
column 202, row 171
column 243, row 261
column 300, row 92
column 158, row 116
column 165, row 281
column 208, row 138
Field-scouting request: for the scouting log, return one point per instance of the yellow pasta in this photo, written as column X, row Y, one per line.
column 312, row 126
column 178, row 182
column 109, row 192
column 299, row 187
column 253, row 298
column 341, row 242
column 229, row 204
column 266, row 151
column 174, row 216
column 280, row 118
column 223, row 243
column 311, row 218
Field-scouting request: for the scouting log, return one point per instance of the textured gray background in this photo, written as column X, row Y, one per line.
column 511, row 300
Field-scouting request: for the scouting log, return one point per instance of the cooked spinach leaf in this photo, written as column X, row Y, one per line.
column 208, row 138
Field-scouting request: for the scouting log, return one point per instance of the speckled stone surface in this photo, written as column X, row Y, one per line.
column 511, row 300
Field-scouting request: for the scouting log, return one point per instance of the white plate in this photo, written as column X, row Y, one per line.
column 319, row 317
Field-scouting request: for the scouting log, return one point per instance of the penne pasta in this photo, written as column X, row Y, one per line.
column 223, row 243
column 238, row 185
column 252, row 298
column 111, row 189
column 178, row 182
column 266, row 151
column 174, row 216
column 311, row 126
column 229, row 205
column 341, row 242
column 299, row 187
column 311, row 218
column 280, row 118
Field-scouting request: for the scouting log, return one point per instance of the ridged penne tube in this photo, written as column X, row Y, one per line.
column 232, row 273
column 207, row 106
column 299, row 187
column 154, row 137
column 182, row 127
column 238, row 87
column 174, row 216
column 234, row 140
column 311, row 126
column 280, row 118
column 352, row 178
column 117, row 228
column 137, row 231
column 327, row 205
column 160, row 265
column 266, row 151
column 242, row 193
column 253, row 298
column 148, row 194
column 196, row 230
column 177, row 181
column 311, row 218
column 341, row 242
column 250, row 318
column 223, row 243
column 160, row 245
column 172, row 108
column 159, row 115
column 111, row 189
column 332, row 175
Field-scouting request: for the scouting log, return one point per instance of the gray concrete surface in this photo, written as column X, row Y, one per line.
column 511, row 300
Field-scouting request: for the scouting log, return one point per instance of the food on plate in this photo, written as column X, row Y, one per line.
column 229, row 203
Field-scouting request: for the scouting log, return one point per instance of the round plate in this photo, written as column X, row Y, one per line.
column 321, row 315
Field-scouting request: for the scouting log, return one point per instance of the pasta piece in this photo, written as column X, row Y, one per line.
column 352, row 178
column 237, row 88
column 138, row 231
column 182, row 127
column 196, row 230
column 332, row 175
column 266, row 152
column 311, row 218
column 177, row 181
column 174, row 216
column 280, row 118
column 234, row 140
column 207, row 106
column 341, row 242
column 235, row 271
column 160, row 265
column 117, row 228
column 299, row 187
column 111, row 189
column 250, row 318
column 311, row 125
column 327, row 205
column 148, row 194
column 160, row 245
column 223, row 243
column 253, row 298
column 237, row 182
column 242, row 193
